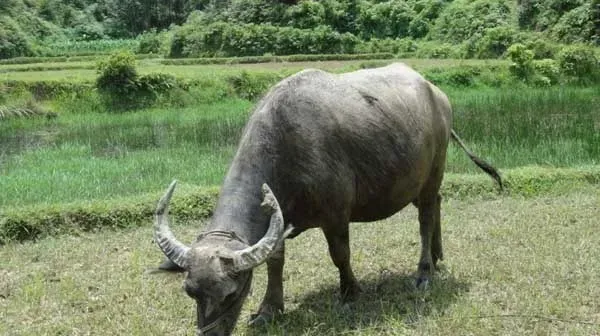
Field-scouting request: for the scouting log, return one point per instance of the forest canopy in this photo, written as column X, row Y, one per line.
column 481, row 28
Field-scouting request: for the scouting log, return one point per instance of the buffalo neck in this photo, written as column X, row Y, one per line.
column 239, row 206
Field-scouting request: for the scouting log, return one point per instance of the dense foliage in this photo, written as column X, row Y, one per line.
column 470, row 28
column 121, row 87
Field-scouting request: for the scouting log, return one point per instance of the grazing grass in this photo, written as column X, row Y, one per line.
column 513, row 267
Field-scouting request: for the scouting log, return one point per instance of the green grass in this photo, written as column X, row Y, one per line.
column 558, row 126
column 88, row 155
column 83, row 71
column 513, row 267
column 100, row 155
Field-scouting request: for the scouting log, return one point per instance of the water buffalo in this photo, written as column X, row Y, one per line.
column 320, row 150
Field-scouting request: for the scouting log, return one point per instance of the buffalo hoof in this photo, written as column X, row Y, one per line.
column 170, row 266
column 422, row 282
column 260, row 320
column 351, row 294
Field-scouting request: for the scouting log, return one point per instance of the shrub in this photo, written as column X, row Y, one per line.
column 251, row 11
column 117, row 80
column 463, row 19
column 122, row 88
column 437, row 50
column 547, row 68
column 150, row 43
column 226, row 39
column 542, row 49
column 154, row 86
column 13, row 43
column 385, row 19
column 461, row 76
column 521, row 57
column 306, row 14
column 495, row 41
column 578, row 62
column 395, row 46
column 577, row 25
column 252, row 86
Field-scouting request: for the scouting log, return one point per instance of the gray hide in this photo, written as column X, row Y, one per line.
column 333, row 149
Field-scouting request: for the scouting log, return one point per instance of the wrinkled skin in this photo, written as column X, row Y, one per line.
column 334, row 149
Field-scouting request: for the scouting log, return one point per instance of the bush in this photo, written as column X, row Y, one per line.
column 521, row 57
column 577, row 25
column 385, row 19
column 578, row 62
column 150, row 43
column 156, row 86
column 122, row 88
column 252, row 86
column 117, row 80
column 495, row 41
column 13, row 43
column 463, row 19
column 437, row 50
column 225, row 39
column 306, row 14
column 405, row 46
column 461, row 76
column 548, row 69
column 542, row 49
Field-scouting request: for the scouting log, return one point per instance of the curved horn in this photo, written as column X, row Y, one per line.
column 163, row 236
column 256, row 254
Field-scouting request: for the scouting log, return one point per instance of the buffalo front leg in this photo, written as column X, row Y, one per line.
column 429, row 226
column 339, row 249
column 272, row 303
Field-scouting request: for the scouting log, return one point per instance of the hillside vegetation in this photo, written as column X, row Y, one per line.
column 185, row 28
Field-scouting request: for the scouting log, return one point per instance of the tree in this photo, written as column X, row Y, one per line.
column 136, row 16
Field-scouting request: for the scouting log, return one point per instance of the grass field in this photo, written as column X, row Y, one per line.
column 89, row 155
column 84, row 71
column 513, row 267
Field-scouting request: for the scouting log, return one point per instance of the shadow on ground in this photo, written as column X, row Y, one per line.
column 387, row 298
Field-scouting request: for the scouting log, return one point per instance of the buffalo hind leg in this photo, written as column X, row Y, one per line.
column 339, row 249
column 272, row 304
column 437, row 252
column 431, row 244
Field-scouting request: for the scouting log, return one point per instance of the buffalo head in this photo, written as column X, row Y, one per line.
column 219, row 264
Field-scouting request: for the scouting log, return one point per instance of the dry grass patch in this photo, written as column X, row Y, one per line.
column 514, row 266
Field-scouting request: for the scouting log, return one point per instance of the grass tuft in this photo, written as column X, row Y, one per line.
column 28, row 110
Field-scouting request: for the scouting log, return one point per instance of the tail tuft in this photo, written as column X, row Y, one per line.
column 488, row 168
